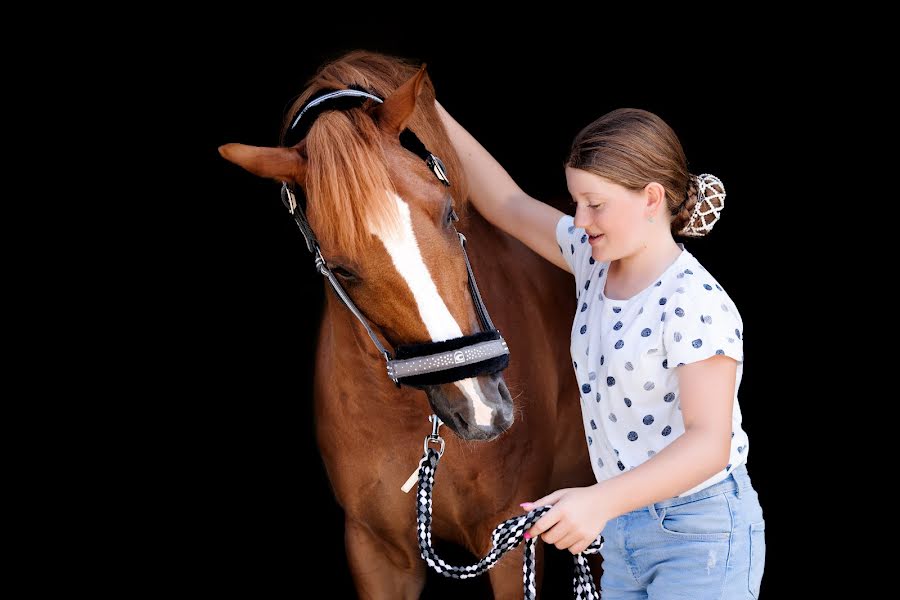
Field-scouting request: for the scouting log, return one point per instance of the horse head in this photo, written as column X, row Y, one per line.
column 385, row 222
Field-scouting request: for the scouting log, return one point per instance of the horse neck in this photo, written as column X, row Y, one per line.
column 477, row 226
column 343, row 340
column 486, row 244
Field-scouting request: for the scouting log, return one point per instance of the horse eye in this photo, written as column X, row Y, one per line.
column 343, row 273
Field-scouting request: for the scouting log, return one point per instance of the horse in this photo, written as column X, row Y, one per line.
column 385, row 227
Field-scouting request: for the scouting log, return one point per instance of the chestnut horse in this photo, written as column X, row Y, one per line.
column 383, row 223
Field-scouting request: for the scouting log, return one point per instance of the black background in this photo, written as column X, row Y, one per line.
column 259, row 511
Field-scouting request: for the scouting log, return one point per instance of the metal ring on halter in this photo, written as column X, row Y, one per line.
column 431, row 438
column 437, row 166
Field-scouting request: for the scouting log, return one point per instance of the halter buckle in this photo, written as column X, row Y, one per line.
column 321, row 265
column 437, row 166
column 291, row 202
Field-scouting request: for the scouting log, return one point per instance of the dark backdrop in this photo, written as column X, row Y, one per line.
column 261, row 515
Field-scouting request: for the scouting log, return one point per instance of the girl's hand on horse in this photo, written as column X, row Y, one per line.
column 575, row 520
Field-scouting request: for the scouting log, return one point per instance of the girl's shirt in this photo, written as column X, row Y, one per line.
column 626, row 352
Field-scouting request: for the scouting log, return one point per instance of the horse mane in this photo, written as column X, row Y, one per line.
column 347, row 176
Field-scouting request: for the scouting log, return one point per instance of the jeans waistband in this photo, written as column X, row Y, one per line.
column 737, row 480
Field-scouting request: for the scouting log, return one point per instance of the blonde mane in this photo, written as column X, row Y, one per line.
column 347, row 177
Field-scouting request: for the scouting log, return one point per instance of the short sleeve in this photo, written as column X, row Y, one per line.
column 573, row 243
column 701, row 321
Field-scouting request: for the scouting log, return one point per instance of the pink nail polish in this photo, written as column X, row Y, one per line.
column 527, row 536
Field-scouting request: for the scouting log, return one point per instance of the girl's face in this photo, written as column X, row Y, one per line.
column 614, row 217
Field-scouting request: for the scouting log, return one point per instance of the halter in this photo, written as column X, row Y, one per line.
column 415, row 365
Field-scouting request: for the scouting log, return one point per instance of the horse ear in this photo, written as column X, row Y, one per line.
column 394, row 113
column 283, row 164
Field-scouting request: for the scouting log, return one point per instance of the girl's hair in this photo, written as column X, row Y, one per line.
column 633, row 147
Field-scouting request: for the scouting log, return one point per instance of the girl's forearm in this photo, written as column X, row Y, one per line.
column 490, row 186
column 691, row 459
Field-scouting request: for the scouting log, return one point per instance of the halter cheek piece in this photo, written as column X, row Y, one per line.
column 415, row 365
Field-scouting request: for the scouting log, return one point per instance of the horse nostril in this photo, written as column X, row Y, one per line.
column 504, row 391
column 461, row 421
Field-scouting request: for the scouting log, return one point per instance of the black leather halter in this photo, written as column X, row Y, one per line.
column 415, row 365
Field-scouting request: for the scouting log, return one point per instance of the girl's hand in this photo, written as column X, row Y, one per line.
column 574, row 522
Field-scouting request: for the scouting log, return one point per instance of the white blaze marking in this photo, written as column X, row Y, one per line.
column 404, row 251
column 471, row 389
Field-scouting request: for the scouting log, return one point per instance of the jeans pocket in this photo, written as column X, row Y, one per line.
column 757, row 556
column 706, row 519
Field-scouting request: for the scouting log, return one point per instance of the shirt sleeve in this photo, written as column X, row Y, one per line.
column 702, row 321
column 573, row 243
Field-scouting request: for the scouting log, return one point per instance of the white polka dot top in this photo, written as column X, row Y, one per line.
column 625, row 354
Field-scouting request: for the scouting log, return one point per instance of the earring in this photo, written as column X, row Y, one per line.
column 650, row 218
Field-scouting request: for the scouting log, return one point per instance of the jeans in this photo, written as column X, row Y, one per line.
column 707, row 545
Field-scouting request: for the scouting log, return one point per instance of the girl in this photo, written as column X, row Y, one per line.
column 657, row 348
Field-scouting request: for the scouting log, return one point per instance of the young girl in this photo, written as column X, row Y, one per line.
column 657, row 348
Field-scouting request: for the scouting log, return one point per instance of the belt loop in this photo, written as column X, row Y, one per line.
column 737, row 485
column 652, row 509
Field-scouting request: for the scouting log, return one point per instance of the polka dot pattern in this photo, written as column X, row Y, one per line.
column 681, row 317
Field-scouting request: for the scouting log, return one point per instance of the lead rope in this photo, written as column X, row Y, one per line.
column 505, row 537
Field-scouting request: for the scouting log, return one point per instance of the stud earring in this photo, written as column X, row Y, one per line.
column 650, row 218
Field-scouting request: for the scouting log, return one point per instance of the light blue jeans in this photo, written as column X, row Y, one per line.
column 707, row 545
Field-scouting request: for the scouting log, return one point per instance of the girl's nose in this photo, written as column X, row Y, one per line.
column 581, row 218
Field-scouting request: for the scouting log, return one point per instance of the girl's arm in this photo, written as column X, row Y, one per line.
column 706, row 389
column 500, row 200
column 707, row 396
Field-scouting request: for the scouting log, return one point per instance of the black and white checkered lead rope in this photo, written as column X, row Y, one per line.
column 505, row 537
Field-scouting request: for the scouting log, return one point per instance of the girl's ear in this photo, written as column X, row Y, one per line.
column 656, row 198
